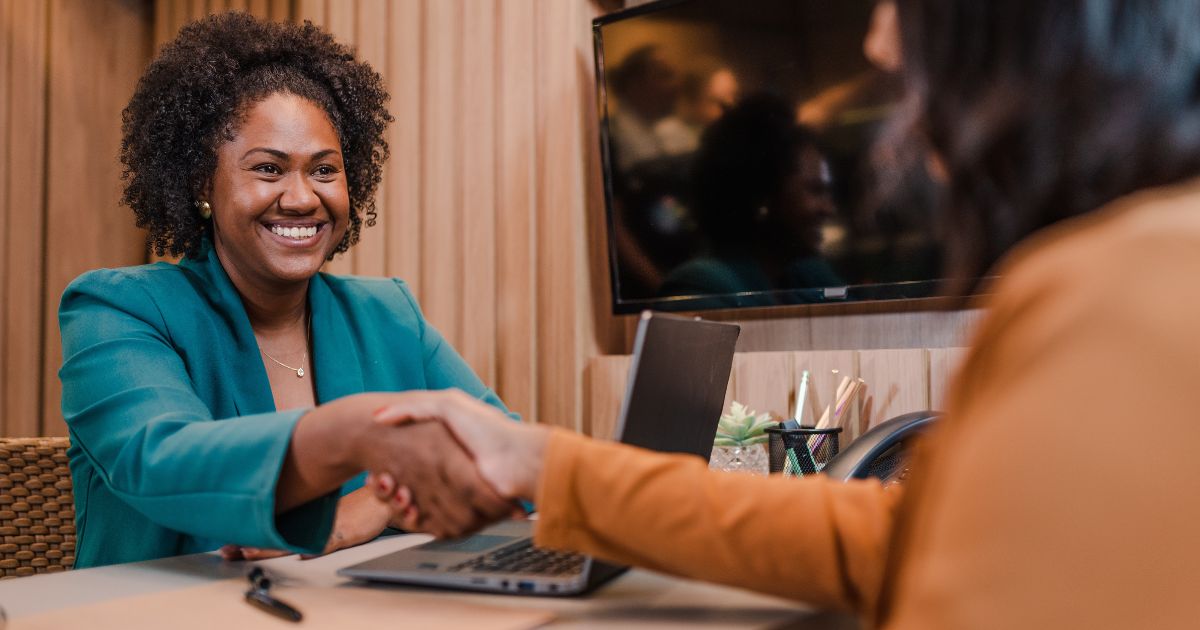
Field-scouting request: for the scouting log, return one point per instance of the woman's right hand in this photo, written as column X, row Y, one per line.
column 509, row 455
column 432, row 472
column 339, row 439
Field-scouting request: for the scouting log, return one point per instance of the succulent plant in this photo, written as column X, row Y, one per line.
column 742, row 427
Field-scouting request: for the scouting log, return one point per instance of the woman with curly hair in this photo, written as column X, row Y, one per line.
column 220, row 401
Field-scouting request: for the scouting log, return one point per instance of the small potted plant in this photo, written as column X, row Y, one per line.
column 741, row 440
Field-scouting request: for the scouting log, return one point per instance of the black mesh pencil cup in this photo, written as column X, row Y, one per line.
column 803, row 451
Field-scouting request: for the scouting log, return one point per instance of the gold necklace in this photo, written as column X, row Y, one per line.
column 300, row 370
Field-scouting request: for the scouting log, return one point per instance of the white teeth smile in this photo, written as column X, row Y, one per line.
column 297, row 233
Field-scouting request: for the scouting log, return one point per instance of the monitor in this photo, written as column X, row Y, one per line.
column 738, row 150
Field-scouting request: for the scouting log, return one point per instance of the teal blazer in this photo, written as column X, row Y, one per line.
column 176, row 445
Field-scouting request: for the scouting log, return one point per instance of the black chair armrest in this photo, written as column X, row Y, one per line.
column 880, row 451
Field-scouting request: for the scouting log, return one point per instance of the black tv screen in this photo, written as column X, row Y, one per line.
column 739, row 171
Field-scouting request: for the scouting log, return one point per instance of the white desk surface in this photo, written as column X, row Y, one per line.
column 637, row 599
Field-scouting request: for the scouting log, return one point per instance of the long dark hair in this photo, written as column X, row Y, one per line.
column 1043, row 110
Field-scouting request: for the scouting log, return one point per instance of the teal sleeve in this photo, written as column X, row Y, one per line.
column 444, row 367
column 131, row 409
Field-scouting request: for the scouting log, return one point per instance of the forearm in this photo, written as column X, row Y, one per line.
column 326, row 449
column 814, row 540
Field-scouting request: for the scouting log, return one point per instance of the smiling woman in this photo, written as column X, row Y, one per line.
column 279, row 198
column 229, row 399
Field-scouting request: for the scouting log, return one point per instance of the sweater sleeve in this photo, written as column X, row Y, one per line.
column 813, row 539
column 132, row 412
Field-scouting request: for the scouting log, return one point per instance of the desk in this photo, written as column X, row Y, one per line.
column 637, row 599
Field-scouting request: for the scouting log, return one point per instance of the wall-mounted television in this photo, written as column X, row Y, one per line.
column 737, row 149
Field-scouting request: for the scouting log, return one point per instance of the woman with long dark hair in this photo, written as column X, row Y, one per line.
column 1060, row 489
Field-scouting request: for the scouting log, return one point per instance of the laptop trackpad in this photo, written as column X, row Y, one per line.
column 470, row 544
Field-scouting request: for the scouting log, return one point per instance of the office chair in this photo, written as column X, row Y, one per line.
column 883, row 451
column 37, row 509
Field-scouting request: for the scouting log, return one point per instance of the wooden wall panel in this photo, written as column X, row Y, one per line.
column 606, row 379
column 260, row 8
column 905, row 324
column 565, row 326
column 165, row 22
column 441, row 247
column 943, row 366
column 311, row 10
column 401, row 219
column 516, row 174
column 897, row 383
column 763, row 381
column 341, row 21
column 6, row 47
column 478, row 168
column 24, row 231
column 91, row 73
column 278, row 10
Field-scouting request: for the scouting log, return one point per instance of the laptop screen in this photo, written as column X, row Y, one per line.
column 677, row 383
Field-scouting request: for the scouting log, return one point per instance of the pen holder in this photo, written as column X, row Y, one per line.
column 803, row 451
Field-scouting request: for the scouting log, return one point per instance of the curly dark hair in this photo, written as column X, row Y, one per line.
column 195, row 94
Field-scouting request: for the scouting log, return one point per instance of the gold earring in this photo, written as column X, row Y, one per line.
column 205, row 209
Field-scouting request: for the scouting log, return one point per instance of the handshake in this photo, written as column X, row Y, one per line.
column 464, row 465
column 440, row 462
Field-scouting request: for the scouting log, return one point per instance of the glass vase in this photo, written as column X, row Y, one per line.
column 750, row 458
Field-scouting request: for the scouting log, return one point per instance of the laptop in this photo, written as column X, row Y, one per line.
column 676, row 390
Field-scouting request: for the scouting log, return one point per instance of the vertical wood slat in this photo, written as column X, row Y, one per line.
column 400, row 220
column 441, row 253
column 763, row 381
column 943, row 366
column 516, row 257
column 606, row 379
column 311, row 10
column 478, row 174
column 371, row 33
column 164, row 22
column 559, row 215
column 6, row 45
column 259, row 8
column 91, row 72
column 24, row 230
column 897, row 383
column 197, row 9
column 280, row 10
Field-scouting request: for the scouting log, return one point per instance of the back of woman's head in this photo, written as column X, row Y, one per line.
column 192, row 97
column 743, row 160
column 1039, row 111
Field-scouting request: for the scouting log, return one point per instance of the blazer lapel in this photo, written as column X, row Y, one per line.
column 335, row 356
column 245, row 373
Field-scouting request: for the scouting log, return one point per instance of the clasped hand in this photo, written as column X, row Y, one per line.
column 439, row 462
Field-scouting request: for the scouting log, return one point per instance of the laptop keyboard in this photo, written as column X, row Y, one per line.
column 523, row 557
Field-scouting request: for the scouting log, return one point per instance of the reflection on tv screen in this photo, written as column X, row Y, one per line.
column 738, row 159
